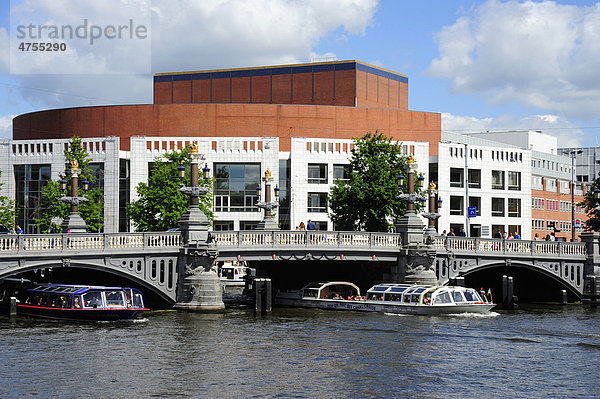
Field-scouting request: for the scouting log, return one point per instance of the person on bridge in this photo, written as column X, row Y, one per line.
column 19, row 230
column 311, row 225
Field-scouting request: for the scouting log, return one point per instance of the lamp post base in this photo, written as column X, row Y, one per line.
column 74, row 224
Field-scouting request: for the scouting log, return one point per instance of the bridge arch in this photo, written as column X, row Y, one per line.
column 92, row 264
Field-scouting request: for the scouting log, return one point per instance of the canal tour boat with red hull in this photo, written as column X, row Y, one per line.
column 82, row 302
column 387, row 298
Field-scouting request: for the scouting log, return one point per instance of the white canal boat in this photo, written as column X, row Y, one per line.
column 387, row 298
column 232, row 276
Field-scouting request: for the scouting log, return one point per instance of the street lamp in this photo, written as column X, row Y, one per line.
column 268, row 222
column 410, row 226
column 74, row 223
column 432, row 215
column 597, row 198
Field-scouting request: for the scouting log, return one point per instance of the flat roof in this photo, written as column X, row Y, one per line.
column 280, row 70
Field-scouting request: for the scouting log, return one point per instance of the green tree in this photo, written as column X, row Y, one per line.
column 368, row 199
column 92, row 211
column 160, row 203
column 7, row 210
column 589, row 204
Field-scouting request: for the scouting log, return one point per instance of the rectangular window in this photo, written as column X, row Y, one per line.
column 498, row 207
column 457, row 178
column 317, row 173
column 340, row 172
column 514, row 181
column 235, row 187
column 476, row 202
column 551, row 185
column 30, row 181
column 497, row 180
column 474, row 178
column 457, row 205
column 565, row 187
column 223, row 225
column 514, row 207
column 317, row 203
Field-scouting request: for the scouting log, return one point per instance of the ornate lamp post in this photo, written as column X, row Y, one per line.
column 597, row 198
column 268, row 222
column 201, row 287
column 74, row 223
column 416, row 257
column 410, row 225
column 432, row 215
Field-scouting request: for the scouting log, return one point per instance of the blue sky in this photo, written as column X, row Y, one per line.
column 485, row 65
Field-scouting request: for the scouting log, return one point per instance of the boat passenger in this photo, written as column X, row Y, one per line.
column 76, row 303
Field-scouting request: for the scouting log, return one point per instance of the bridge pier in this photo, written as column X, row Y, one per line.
column 591, row 291
column 200, row 289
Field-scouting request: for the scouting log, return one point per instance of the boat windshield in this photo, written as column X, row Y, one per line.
column 472, row 296
column 138, row 302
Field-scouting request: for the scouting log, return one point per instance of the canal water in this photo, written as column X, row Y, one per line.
column 533, row 352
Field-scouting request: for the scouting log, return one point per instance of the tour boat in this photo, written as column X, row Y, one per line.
column 82, row 302
column 387, row 298
column 232, row 276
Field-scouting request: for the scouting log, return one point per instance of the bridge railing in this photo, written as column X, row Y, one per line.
column 313, row 238
column 523, row 247
column 88, row 241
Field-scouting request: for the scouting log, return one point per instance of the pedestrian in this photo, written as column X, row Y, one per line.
column 19, row 230
column 444, row 233
column 462, row 233
column 51, row 229
column 498, row 234
column 536, row 238
column 301, row 227
column 311, row 225
column 451, row 234
column 517, row 236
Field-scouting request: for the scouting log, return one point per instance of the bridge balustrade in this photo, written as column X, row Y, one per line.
column 518, row 247
column 31, row 243
column 305, row 239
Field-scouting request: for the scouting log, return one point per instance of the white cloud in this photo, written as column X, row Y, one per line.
column 6, row 127
column 217, row 34
column 568, row 134
column 538, row 54
column 193, row 35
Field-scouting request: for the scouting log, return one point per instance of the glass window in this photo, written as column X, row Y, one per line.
column 317, row 202
column 92, row 299
column 340, row 172
column 476, row 202
column 457, row 177
column 514, row 207
column 458, row 296
column 497, row 206
column 317, row 173
column 457, row 205
column 497, row 179
column 443, row 298
column 235, row 187
column 514, row 181
column 30, row 180
column 223, row 225
column 474, row 178
column 114, row 299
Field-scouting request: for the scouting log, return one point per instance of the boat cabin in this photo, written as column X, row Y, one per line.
column 423, row 294
column 331, row 290
column 232, row 271
column 84, row 297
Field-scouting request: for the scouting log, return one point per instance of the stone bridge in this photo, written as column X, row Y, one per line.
column 154, row 260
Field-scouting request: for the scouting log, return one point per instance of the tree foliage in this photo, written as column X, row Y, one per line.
column 589, row 204
column 7, row 210
column 160, row 204
column 53, row 208
column 368, row 199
